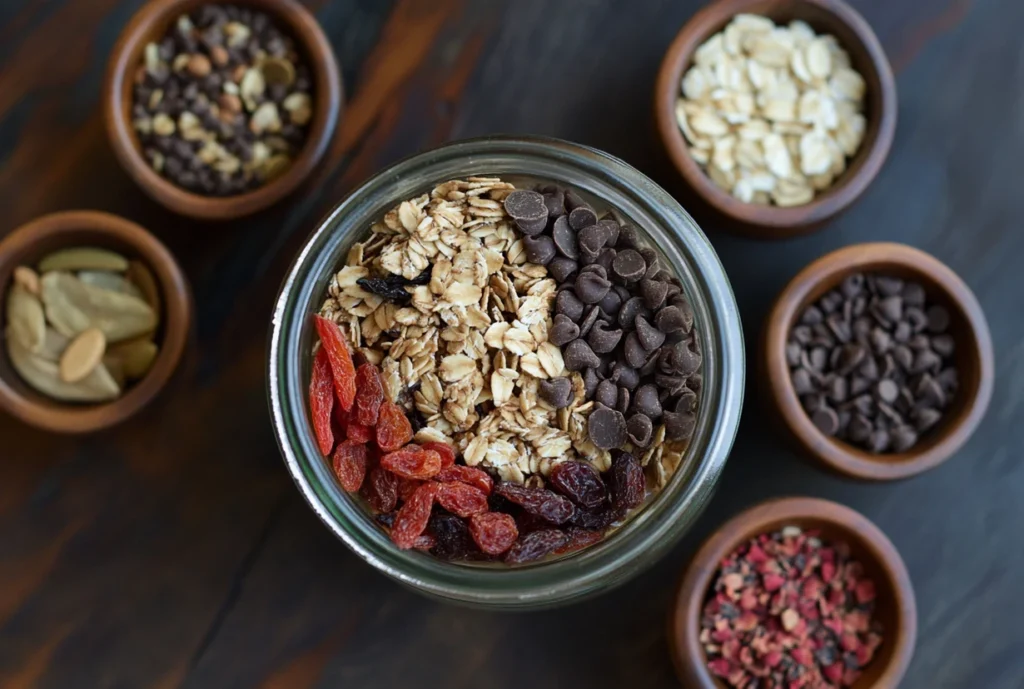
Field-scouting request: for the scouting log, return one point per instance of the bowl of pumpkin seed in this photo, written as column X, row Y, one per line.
column 95, row 314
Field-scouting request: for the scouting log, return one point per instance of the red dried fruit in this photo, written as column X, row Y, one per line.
column 578, row 481
column 534, row 546
column 412, row 517
column 538, row 501
column 321, row 401
column 424, row 542
column 369, row 394
column 349, row 429
column 628, row 484
column 461, row 499
column 446, row 451
column 471, row 475
column 493, row 532
column 350, row 465
column 393, row 428
column 578, row 539
column 381, row 490
column 333, row 341
column 406, row 487
column 412, row 462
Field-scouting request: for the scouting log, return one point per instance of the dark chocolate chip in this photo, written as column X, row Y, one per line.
column 532, row 228
column 913, row 294
column 629, row 238
column 636, row 354
column 670, row 320
column 611, row 229
column 903, row 438
column 859, row 428
column 853, row 285
column 606, row 428
column 539, row 250
column 611, row 304
column 562, row 269
column 654, row 292
column 565, row 238
column 582, row 216
column 623, row 401
column 625, row 376
column 878, row 441
column 593, row 313
column 916, row 318
column 646, row 401
column 578, row 355
column 650, row 337
column 568, row 304
column 938, row 319
column 887, row 391
column 812, row 316
column 629, row 265
column 601, row 340
column 793, row 351
column 562, row 331
column 888, row 286
column 802, row 382
column 525, row 204
column 607, row 394
column 671, row 383
column 605, row 258
column 825, row 420
column 640, row 430
column 590, row 382
column 943, row 345
column 925, row 418
column 573, row 200
column 650, row 257
column 591, row 288
column 555, row 202
column 630, row 310
column 687, row 401
column 678, row 426
column 557, row 392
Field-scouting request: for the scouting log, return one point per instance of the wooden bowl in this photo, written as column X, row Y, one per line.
column 150, row 24
column 895, row 607
column 29, row 243
column 975, row 360
column 867, row 57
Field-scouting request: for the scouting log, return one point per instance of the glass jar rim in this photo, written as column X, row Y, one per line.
column 646, row 535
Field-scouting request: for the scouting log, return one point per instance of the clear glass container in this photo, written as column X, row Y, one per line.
column 644, row 537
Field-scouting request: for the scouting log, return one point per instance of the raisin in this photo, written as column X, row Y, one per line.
column 349, row 429
column 452, row 540
column 387, row 289
column 381, row 490
column 580, row 482
column 477, row 478
column 446, row 451
column 528, row 523
column 423, row 278
column 493, row 532
column 424, row 542
column 350, row 465
column 577, row 539
column 597, row 519
column 369, row 394
column 321, row 401
column 412, row 462
column 393, row 429
column 534, row 546
column 412, row 517
column 340, row 358
column 461, row 499
column 387, row 519
column 627, row 482
column 539, row 501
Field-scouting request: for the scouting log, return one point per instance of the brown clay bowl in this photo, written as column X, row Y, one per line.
column 867, row 57
column 149, row 24
column 895, row 607
column 975, row 360
column 29, row 243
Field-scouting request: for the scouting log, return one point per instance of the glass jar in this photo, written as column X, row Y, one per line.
column 654, row 528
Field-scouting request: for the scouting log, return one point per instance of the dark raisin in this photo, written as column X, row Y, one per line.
column 534, row 546
column 423, row 278
column 451, row 535
column 537, row 501
column 627, row 481
column 597, row 519
column 579, row 482
column 385, row 288
column 387, row 519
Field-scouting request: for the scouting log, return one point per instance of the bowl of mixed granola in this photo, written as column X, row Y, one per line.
column 507, row 372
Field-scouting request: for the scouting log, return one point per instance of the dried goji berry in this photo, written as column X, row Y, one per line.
column 446, row 451
column 493, row 532
column 539, row 501
column 369, row 394
column 321, row 401
column 381, row 490
column 461, row 499
column 412, row 462
column 393, row 428
column 471, row 475
column 333, row 341
column 358, row 433
column 412, row 517
column 350, row 464
column 534, row 546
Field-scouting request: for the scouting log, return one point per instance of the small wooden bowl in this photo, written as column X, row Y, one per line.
column 150, row 24
column 867, row 57
column 29, row 243
column 975, row 359
column 895, row 607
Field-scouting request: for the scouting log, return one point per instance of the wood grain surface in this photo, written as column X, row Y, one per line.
column 174, row 551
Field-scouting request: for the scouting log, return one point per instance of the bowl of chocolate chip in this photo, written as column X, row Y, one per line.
column 879, row 361
column 221, row 110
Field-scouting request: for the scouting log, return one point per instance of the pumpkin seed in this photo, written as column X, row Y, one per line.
column 84, row 258
column 134, row 357
column 44, row 376
column 25, row 317
column 115, row 282
column 27, row 278
column 73, row 306
column 142, row 277
column 82, row 355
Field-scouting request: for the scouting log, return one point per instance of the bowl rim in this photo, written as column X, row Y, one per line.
column 328, row 103
column 177, row 319
column 841, row 456
column 684, row 613
column 768, row 221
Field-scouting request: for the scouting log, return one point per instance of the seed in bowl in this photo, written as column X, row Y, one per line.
column 221, row 104
column 872, row 362
column 772, row 113
column 81, row 326
column 788, row 610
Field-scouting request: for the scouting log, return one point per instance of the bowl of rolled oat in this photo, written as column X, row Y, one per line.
column 778, row 115
column 507, row 372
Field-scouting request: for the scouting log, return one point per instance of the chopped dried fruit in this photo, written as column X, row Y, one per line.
column 369, row 394
column 412, row 462
column 471, row 475
column 321, row 401
column 381, row 490
column 447, row 453
column 333, row 341
column 412, row 517
column 393, row 428
column 537, row 501
column 452, row 539
column 461, row 499
column 350, row 464
column 493, row 532
column 534, row 546
column 580, row 482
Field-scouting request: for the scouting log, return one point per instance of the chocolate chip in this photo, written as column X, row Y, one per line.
column 859, row 428
column 568, row 304
column 891, row 308
column 607, row 394
column 802, row 383
column 596, row 269
column 793, row 351
column 825, row 420
column 925, row 418
column 938, row 319
column 678, row 426
column 635, row 353
column 611, row 229
column 581, row 217
column 630, row 310
column 852, row 285
column 888, row 286
column 670, row 320
column 590, row 382
column 591, row 288
column 903, row 438
column 606, row 428
column 913, row 294
column 539, row 250
column 557, row 392
column 926, row 360
column 629, row 265
column 654, row 292
column 646, row 401
column 601, row 340
column 878, row 441
column 573, row 200
column 812, row 316
column 625, row 375
column 640, row 430
column 650, row 257
column 903, row 357
column 525, row 204
column 943, row 345
column 650, row 337
column 578, row 355
column 916, row 318
column 887, row 391
column 623, row 401
column 605, row 258
column 687, row 402
column 565, row 238
column 562, row 331
column 611, row 304
column 562, row 269
column 593, row 313
column 629, row 237
column 555, row 202
column 532, row 228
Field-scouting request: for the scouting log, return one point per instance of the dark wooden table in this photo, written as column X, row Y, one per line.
column 175, row 551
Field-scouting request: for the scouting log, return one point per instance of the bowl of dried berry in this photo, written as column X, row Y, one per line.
column 794, row 592
column 511, row 377
column 95, row 316
column 879, row 361
column 220, row 110
column 778, row 115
